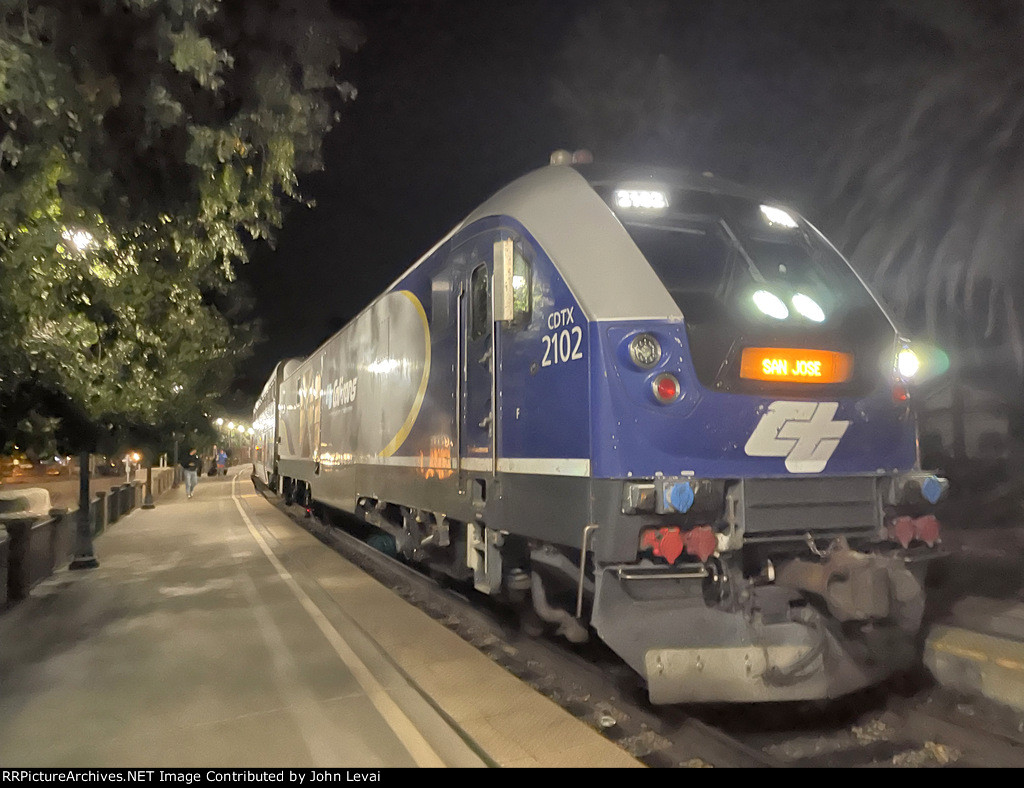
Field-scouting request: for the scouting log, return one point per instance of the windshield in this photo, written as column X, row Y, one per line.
column 729, row 257
column 748, row 274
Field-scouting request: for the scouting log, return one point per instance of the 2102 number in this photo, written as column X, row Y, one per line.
column 562, row 346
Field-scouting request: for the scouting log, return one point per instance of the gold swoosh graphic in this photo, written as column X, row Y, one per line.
column 417, row 403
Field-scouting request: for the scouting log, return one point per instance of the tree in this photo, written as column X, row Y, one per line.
column 753, row 90
column 895, row 126
column 143, row 144
column 925, row 193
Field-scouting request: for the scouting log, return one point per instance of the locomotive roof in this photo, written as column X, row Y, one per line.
column 609, row 173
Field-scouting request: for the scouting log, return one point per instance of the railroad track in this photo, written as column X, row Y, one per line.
column 907, row 722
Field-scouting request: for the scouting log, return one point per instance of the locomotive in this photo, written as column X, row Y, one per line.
column 638, row 404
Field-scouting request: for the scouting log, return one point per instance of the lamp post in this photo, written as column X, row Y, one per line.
column 84, row 558
column 81, row 240
column 147, row 502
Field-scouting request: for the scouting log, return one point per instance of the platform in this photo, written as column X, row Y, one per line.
column 218, row 633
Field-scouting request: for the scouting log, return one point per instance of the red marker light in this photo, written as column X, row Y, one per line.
column 666, row 388
column 899, row 393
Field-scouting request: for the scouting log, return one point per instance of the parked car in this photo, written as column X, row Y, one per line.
column 108, row 466
column 16, row 464
column 56, row 466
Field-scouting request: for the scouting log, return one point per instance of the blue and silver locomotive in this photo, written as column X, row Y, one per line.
column 646, row 406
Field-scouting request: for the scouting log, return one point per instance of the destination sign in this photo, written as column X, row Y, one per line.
column 795, row 365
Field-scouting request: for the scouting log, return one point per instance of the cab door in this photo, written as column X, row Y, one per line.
column 477, row 375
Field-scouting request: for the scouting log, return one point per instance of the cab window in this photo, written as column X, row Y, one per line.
column 522, row 287
column 480, row 303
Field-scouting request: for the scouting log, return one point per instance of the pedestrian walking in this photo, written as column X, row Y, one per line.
column 191, row 464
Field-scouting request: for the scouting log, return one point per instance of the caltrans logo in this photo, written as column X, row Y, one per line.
column 802, row 432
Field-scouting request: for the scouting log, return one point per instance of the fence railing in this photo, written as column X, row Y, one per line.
column 31, row 549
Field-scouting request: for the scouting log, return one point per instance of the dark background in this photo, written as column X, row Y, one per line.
column 458, row 97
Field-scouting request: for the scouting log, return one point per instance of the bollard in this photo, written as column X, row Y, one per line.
column 148, row 502
column 5, row 543
column 18, row 571
column 102, row 507
column 62, row 539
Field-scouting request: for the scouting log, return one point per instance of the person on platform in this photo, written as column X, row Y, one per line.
column 222, row 462
column 191, row 464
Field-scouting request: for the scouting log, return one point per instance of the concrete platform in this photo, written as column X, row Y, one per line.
column 216, row 632
column 975, row 642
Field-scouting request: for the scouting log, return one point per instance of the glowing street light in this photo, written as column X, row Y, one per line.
column 80, row 239
column 219, row 422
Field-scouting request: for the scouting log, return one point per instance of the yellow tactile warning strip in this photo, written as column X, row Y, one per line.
column 979, row 647
column 975, row 662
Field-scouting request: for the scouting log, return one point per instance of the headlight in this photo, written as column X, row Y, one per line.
column 907, row 363
column 645, row 351
column 771, row 305
column 917, row 362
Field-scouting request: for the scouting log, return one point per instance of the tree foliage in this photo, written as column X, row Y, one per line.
column 926, row 191
column 143, row 144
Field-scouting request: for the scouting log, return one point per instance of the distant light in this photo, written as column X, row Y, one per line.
column 808, row 307
column 241, row 428
column 251, row 431
column 231, row 425
column 645, row 199
column 771, row 305
column 907, row 363
column 176, row 388
column 518, row 280
column 80, row 239
column 778, row 216
column 218, row 422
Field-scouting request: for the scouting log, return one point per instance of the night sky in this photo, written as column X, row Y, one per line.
column 457, row 98
column 453, row 102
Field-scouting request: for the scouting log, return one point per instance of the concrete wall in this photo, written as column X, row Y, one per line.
column 31, row 549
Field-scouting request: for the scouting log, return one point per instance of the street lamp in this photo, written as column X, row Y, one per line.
column 80, row 239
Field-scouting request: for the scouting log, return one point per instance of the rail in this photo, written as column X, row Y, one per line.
column 32, row 549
